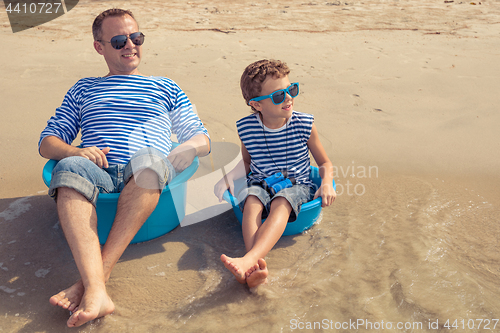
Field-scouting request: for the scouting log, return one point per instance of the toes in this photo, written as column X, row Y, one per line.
column 252, row 269
column 262, row 263
column 73, row 319
column 224, row 258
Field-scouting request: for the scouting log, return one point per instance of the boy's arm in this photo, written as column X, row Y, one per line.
column 325, row 166
column 239, row 171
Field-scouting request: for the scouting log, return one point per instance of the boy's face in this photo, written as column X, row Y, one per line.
column 270, row 112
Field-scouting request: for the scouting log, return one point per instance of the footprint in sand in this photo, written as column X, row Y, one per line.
column 358, row 101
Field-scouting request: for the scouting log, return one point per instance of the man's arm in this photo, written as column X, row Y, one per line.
column 54, row 148
column 183, row 155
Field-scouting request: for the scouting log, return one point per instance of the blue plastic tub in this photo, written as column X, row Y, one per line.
column 309, row 212
column 167, row 215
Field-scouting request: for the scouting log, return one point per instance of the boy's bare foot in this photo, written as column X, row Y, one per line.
column 69, row 298
column 257, row 274
column 232, row 265
column 94, row 304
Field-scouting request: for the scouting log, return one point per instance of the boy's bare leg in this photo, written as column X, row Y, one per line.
column 264, row 240
column 252, row 220
column 135, row 205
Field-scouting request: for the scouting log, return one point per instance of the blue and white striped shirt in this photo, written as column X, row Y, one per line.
column 272, row 150
column 125, row 113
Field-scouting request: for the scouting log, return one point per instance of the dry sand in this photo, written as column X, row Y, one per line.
column 410, row 87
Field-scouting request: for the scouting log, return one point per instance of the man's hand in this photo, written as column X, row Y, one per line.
column 94, row 154
column 182, row 156
column 54, row 148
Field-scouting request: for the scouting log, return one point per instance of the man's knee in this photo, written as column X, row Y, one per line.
column 75, row 164
column 81, row 175
column 154, row 161
column 147, row 179
column 66, row 194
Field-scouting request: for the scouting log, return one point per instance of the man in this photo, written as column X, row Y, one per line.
column 126, row 120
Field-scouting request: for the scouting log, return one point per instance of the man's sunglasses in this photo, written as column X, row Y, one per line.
column 279, row 96
column 119, row 42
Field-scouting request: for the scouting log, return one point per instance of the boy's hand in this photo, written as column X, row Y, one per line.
column 327, row 194
column 222, row 185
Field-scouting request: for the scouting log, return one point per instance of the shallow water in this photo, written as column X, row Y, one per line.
column 408, row 253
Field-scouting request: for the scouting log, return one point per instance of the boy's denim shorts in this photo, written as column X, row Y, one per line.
column 84, row 176
column 295, row 195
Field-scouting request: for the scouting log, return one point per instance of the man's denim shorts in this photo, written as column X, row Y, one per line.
column 295, row 195
column 84, row 176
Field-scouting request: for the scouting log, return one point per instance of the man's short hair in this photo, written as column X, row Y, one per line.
column 256, row 73
column 114, row 12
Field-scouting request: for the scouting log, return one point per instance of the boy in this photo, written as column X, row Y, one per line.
column 274, row 139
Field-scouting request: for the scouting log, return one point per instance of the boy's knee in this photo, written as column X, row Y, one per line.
column 280, row 201
column 253, row 203
column 253, row 200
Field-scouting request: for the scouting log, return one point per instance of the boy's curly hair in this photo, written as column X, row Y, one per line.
column 256, row 73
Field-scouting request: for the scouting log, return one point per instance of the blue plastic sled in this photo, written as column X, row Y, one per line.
column 309, row 212
column 169, row 212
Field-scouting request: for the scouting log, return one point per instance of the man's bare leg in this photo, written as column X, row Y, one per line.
column 79, row 223
column 135, row 205
column 137, row 201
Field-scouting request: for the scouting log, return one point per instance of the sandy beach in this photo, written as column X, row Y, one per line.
column 405, row 98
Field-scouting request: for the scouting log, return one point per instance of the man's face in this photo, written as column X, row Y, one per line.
column 124, row 61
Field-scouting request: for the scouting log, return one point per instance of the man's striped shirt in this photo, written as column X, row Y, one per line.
column 125, row 113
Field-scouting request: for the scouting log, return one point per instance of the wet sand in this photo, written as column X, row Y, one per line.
column 405, row 99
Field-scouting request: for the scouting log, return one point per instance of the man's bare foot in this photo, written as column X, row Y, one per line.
column 232, row 265
column 69, row 298
column 94, row 304
column 257, row 274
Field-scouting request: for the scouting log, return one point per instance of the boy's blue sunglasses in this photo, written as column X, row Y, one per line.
column 279, row 96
